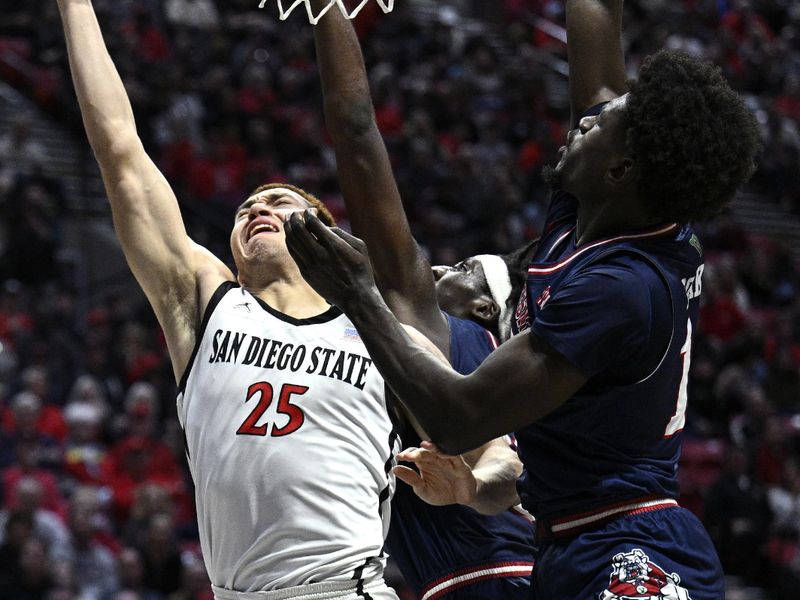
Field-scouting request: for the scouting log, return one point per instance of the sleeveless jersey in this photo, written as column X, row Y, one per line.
column 622, row 310
column 289, row 444
column 444, row 552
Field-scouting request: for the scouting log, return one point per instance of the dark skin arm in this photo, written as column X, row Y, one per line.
column 522, row 381
column 402, row 273
column 594, row 49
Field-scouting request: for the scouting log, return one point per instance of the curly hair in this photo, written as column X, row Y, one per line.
column 322, row 211
column 692, row 135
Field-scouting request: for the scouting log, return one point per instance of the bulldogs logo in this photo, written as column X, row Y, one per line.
column 634, row 577
column 521, row 312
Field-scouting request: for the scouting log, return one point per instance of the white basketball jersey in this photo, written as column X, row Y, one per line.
column 290, row 446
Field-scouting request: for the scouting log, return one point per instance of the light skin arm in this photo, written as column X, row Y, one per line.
column 594, row 48
column 370, row 192
column 484, row 480
column 177, row 275
column 519, row 383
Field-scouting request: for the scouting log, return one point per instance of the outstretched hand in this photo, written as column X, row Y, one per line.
column 441, row 480
column 331, row 260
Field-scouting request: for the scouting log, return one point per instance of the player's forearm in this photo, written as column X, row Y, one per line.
column 427, row 387
column 106, row 110
column 596, row 59
column 345, row 87
column 496, row 474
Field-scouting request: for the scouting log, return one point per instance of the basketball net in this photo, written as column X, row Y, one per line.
column 386, row 6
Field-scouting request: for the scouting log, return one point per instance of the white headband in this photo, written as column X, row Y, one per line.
column 496, row 271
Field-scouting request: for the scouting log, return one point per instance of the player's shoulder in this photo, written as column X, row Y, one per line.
column 628, row 281
column 470, row 343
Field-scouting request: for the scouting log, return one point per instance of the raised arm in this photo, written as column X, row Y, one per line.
column 374, row 206
column 520, row 382
column 594, row 48
column 177, row 276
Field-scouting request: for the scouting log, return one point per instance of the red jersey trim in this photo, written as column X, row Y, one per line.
column 577, row 253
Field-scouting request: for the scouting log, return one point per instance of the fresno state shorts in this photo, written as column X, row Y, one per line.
column 664, row 554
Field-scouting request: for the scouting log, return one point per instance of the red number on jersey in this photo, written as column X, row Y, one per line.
column 285, row 407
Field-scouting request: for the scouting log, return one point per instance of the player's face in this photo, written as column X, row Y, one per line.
column 460, row 286
column 258, row 223
column 592, row 149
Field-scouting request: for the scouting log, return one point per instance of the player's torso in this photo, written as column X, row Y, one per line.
column 612, row 440
column 290, row 446
column 445, row 551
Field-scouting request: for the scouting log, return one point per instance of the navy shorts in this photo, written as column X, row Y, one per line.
column 660, row 554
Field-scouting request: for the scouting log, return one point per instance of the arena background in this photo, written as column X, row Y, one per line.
column 471, row 97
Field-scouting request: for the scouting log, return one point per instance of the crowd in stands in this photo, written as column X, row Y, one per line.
column 95, row 496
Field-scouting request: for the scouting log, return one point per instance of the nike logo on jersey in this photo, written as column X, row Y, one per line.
column 245, row 305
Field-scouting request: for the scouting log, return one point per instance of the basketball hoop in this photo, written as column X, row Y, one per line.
column 386, row 6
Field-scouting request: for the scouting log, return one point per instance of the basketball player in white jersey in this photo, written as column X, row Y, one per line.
column 288, row 435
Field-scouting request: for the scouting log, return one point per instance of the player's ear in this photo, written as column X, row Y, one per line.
column 621, row 172
column 485, row 311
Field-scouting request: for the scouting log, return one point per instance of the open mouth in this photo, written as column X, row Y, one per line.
column 261, row 228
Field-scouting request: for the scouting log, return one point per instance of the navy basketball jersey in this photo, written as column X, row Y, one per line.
column 622, row 310
column 446, row 552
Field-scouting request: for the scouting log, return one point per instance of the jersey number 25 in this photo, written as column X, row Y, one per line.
column 285, row 407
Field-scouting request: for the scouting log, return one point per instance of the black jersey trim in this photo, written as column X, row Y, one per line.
column 329, row 315
column 223, row 289
column 357, row 575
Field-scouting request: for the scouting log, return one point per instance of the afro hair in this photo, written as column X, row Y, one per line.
column 692, row 136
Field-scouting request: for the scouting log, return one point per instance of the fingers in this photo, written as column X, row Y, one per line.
column 300, row 243
column 409, row 476
column 355, row 242
column 319, row 230
column 432, row 447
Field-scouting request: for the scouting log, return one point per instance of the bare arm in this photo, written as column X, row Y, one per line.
column 177, row 276
column 519, row 383
column 483, row 479
column 373, row 201
column 594, row 48
column 496, row 470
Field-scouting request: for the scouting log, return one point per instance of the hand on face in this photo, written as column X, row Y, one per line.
column 332, row 261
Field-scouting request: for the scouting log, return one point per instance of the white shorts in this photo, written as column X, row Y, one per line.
column 332, row 590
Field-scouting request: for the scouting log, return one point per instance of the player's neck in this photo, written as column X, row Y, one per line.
column 606, row 219
column 291, row 297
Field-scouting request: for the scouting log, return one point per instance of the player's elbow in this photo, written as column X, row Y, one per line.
column 456, row 436
column 113, row 145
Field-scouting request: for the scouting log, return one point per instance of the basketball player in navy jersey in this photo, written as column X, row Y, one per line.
column 595, row 381
column 444, row 552
column 289, row 437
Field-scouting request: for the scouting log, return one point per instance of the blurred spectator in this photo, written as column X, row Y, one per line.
column 201, row 14
column 18, row 528
column 163, row 567
column 47, row 525
column 738, row 518
column 28, row 422
column 195, row 584
column 92, row 565
column 18, row 146
column 84, row 451
column 130, row 571
column 34, row 577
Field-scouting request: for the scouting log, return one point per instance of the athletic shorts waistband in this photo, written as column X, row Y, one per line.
column 328, row 590
column 571, row 525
